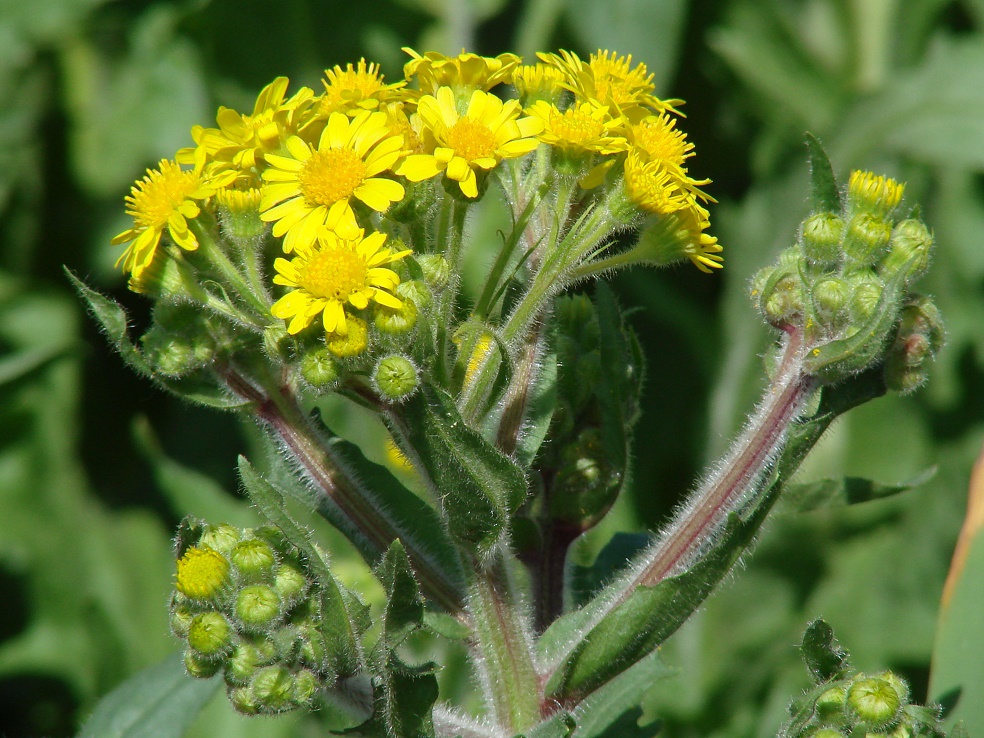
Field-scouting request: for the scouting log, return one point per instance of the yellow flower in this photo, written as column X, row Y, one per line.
column 164, row 198
column 612, row 81
column 466, row 71
column 333, row 274
column 355, row 88
column 658, row 138
column 869, row 192
column 487, row 133
column 652, row 187
column 243, row 140
column 537, row 82
column 584, row 126
column 201, row 573
column 313, row 187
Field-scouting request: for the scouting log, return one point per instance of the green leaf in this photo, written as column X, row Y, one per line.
column 159, row 702
column 409, row 692
column 827, row 493
column 824, row 195
column 957, row 664
column 337, row 623
column 561, row 725
column 824, row 657
column 479, row 487
column 113, row 321
column 614, row 709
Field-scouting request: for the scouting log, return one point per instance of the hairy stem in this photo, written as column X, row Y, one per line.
column 506, row 652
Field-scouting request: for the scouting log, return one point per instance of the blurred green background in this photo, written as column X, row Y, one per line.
column 93, row 92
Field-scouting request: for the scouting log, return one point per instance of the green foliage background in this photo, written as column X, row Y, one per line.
column 92, row 92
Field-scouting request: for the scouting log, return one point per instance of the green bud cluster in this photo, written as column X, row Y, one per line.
column 844, row 288
column 245, row 607
column 870, row 705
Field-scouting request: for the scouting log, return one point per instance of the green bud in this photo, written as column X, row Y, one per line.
column 199, row 666
column 257, row 606
column 306, row 685
column 290, row 584
column 909, row 248
column 586, row 486
column 830, row 301
column 831, row 703
column 827, row 733
column 249, row 655
column 866, row 293
column 415, row 291
column 277, row 342
column 273, row 688
column 313, row 649
column 319, row 368
column 243, row 701
column 784, row 301
column 253, row 558
column 242, row 225
column 210, row 635
column 396, row 321
column 820, row 239
column 867, row 239
column 873, row 702
column 181, row 616
column 395, row 377
column 175, row 354
column 919, row 337
column 436, row 270
column 221, row 538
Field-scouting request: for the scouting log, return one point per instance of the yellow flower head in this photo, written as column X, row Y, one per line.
column 466, row 71
column 538, row 82
column 201, row 573
column 239, row 200
column 584, row 126
column 333, row 274
column 657, row 137
column 487, row 133
column 872, row 193
column 612, row 81
column 243, row 140
column 314, row 186
column 164, row 198
column 355, row 88
column 681, row 235
column 652, row 187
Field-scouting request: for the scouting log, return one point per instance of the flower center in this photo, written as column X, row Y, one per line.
column 576, row 127
column 159, row 194
column 334, row 273
column 331, row 175
column 201, row 572
column 471, row 139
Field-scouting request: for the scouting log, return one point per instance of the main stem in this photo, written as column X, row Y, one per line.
column 506, row 650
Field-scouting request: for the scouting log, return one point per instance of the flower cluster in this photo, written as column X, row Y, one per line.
column 330, row 192
column 242, row 603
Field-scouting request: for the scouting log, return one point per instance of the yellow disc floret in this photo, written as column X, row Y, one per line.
column 201, row 573
column 872, row 193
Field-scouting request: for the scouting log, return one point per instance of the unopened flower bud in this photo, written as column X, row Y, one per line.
column 831, row 702
column 257, row 607
column 313, row 649
column 181, row 616
column 199, row 666
column 918, row 338
column 202, row 573
column 784, row 300
column 246, row 659
column 290, row 584
column 866, row 239
column 306, row 684
column 415, row 291
column 176, row 355
column 868, row 192
column 436, row 270
column 395, row 377
column 820, row 239
column 874, row 703
column 319, row 368
column 220, row 538
column 866, row 293
column 909, row 248
column 827, row 733
column 277, row 342
column 210, row 635
column 830, row 301
column 239, row 215
column 396, row 321
column 273, row 689
column 253, row 558
column 243, row 701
